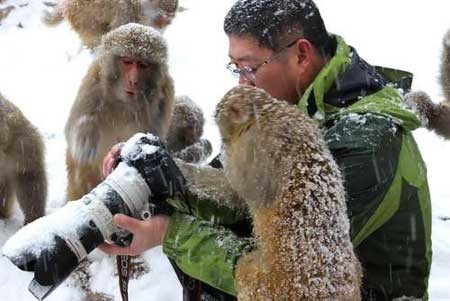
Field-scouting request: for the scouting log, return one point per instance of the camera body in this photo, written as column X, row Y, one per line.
column 54, row 245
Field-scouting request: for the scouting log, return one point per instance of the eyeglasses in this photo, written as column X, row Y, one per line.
column 249, row 72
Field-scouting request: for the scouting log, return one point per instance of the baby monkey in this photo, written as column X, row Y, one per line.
column 186, row 128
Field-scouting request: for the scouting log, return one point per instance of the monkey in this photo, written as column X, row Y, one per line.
column 91, row 19
column 435, row 116
column 276, row 159
column 22, row 167
column 127, row 89
column 186, row 128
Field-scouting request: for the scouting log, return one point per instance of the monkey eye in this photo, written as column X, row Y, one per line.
column 126, row 61
column 144, row 65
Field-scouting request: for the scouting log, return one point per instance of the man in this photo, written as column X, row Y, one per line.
column 282, row 46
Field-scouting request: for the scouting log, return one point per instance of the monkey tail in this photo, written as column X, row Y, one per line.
column 434, row 116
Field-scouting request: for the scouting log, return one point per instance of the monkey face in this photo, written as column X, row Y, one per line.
column 161, row 22
column 133, row 73
column 158, row 13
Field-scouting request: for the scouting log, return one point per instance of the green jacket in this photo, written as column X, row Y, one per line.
column 368, row 130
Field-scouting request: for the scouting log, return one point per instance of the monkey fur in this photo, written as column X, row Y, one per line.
column 186, row 128
column 276, row 160
column 100, row 118
column 91, row 19
column 435, row 116
column 22, row 166
column 445, row 67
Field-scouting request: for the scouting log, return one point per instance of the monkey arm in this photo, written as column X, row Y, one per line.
column 435, row 116
column 210, row 196
column 196, row 152
column 198, row 242
column 82, row 137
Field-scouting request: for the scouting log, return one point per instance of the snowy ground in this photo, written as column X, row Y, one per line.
column 40, row 71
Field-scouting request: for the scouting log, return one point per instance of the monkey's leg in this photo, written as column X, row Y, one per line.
column 254, row 280
column 6, row 198
column 31, row 192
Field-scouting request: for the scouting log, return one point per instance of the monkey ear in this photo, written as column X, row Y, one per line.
column 237, row 114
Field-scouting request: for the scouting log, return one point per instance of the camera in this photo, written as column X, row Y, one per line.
column 54, row 245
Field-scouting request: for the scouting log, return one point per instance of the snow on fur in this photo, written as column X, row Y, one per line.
column 296, row 196
column 138, row 40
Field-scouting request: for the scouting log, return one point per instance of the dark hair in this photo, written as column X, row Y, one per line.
column 271, row 22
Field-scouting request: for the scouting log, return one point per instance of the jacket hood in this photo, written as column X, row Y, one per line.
column 348, row 84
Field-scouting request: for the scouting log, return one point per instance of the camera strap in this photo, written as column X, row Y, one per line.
column 123, row 269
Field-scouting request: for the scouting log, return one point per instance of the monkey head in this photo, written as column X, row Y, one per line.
column 252, row 148
column 186, row 126
column 163, row 13
column 240, row 108
column 133, row 60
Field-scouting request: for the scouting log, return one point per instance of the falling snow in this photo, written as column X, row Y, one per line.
column 48, row 63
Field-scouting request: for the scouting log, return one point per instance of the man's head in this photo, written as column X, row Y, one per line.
column 277, row 45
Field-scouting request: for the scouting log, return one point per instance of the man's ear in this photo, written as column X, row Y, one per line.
column 304, row 53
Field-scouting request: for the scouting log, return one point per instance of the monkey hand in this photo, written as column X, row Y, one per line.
column 146, row 234
column 196, row 152
column 421, row 103
column 111, row 159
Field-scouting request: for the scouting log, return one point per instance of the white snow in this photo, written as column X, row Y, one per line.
column 134, row 149
column 40, row 235
column 41, row 68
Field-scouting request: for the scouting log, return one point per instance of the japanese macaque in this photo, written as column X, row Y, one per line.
column 93, row 18
column 435, row 116
column 186, row 128
column 276, row 160
column 127, row 89
column 22, row 166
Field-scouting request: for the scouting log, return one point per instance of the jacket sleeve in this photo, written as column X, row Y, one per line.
column 197, row 239
column 205, row 251
column 367, row 149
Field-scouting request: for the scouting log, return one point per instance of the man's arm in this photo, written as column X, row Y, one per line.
column 194, row 236
column 205, row 251
column 197, row 239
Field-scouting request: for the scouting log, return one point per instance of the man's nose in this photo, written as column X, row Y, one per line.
column 245, row 81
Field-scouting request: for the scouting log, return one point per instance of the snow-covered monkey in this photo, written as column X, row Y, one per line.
column 277, row 161
column 22, row 167
column 127, row 89
column 186, row 128
column 93, row 18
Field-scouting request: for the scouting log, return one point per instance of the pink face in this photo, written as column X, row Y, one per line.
column 134, row 73
column 161, row 22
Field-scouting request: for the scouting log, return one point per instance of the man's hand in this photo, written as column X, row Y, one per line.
column 110, row 160
column 146, row 234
